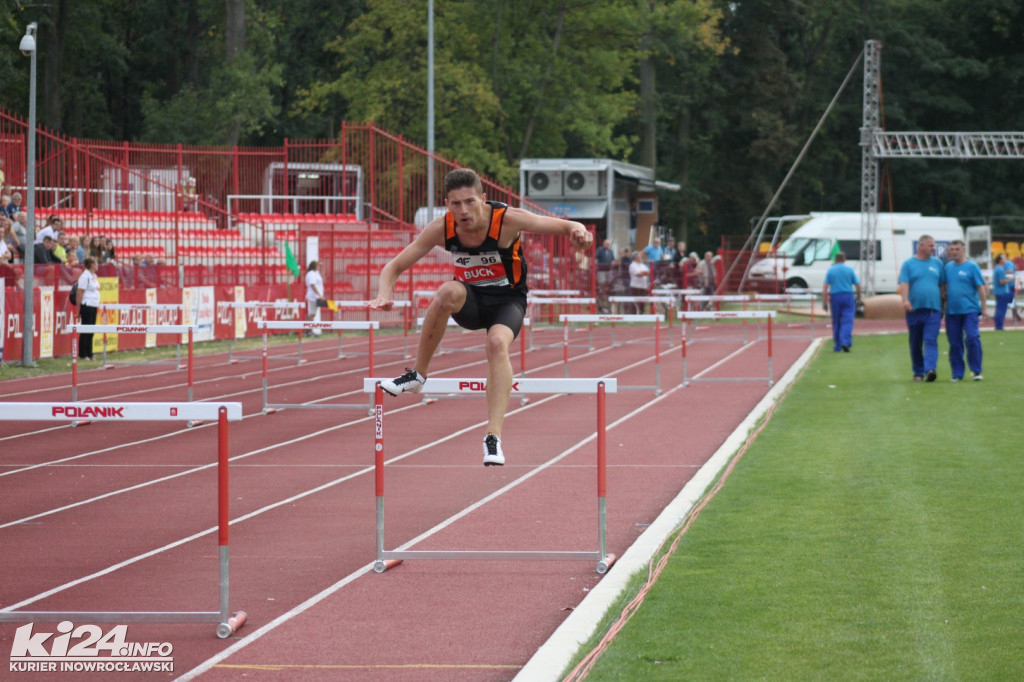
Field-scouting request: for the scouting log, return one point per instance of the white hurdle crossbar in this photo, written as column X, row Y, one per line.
column 533, row 300
column 566, row 320
column 387, row 559
column 78, row 329
column 227, row 623
column 668, row 301
column 338, row 326
column 152, row 316
column 767, row 315
column 298, row 306
column 787, row 301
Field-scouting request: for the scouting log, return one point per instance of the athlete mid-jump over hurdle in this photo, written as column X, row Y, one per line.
column 488, row 292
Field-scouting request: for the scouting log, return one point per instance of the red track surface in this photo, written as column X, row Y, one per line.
column 141, row 497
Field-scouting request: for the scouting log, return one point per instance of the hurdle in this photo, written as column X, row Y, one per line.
column 597, row 319
column 533, row 301
column 339, row 326
column 78, row 329
column 710, row 299
column 389, row 558
column 768, row 315
column 152, row 316
column 227, row 623
column 406, row 307
column 787, row 299
column 668, row 301
column 239, row 307
column 453, row 323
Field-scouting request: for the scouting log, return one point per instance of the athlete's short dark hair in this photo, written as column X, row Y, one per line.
column 462, row 177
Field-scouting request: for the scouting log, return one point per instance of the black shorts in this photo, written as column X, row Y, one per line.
column 484, row 309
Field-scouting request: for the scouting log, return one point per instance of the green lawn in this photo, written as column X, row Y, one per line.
column 874, row 531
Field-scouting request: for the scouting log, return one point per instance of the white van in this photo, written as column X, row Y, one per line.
column 802, row 259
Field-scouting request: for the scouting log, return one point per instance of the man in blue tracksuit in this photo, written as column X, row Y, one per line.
column 921, row 277
column 841, row 283
column 965, row 304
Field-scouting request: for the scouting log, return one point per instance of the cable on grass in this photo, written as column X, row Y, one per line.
column 660, row 558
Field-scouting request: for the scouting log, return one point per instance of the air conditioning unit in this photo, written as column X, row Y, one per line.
column 583, row 184
column 544, row 183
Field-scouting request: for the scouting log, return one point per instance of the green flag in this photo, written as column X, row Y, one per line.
column 832, row 256
column 289, row 260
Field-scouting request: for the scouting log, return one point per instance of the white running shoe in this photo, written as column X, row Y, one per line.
column 493, row 456
column 410, row 382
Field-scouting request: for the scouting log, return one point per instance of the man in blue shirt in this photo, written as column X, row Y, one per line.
column 920, row 281
column 965, row 304
column 1002, row 287
column 840, row 284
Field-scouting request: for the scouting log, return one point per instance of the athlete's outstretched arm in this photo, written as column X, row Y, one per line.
column 431, row 236
column 521, row 220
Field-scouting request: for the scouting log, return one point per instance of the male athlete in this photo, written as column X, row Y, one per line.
column 488, row 292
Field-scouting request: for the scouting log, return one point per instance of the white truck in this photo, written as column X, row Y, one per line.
column 802, row 258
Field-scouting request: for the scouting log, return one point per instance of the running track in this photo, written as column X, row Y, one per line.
column 111, row 517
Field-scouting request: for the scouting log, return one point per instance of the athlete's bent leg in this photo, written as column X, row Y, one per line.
column 448, row 300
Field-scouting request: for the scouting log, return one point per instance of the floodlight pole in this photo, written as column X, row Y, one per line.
column 28, row 45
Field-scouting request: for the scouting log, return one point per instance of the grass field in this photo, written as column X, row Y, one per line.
column 873, row 531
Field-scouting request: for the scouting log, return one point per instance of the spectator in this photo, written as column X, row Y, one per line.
column 109, row 255
column 61, row 250
column 10, row 238
column 5, row 202
column 670, row 251
column 18, row 224
column 314, row 293
column 5, row 253
column 841, row 282
column 605, row 258
column 95, row 250
column 965, row 305
column 654, row 251
column 3, row 174
column 690, row 272
column 188, row 195
column 76, row 245
column 708, row 274
column 89, row 303
column 920, row 282
column 44, row 252
column 639, row 279
column 15, row 206
column 71, row 259
column 52, row 227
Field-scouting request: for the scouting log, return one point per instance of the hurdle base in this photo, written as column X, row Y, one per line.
column 604, row 564
column 269, row 410
column 488, row 555
column 193, row 423
column 81, row 423
column 237, row 620
column 381, row 566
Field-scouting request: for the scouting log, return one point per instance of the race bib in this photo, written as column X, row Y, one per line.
column 482, row 269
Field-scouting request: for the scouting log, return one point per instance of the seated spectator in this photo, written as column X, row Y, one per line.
column 5, row 253
column 75, row 245
column 71, row 259
column 18, row 224
column 5, row 201
column 10, row 238
column 95, row 250
column 61, row 250
column 15, row 206
column 109, row 254
column 44, row 252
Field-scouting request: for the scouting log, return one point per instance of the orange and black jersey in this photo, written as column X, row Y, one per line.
column 487, row 265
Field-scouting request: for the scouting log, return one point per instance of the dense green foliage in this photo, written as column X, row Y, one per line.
column 719, row 96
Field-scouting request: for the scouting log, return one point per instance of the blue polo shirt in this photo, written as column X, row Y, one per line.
column 962, row 282
column 924, row 277
column 998, row 275
column 840, row 279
